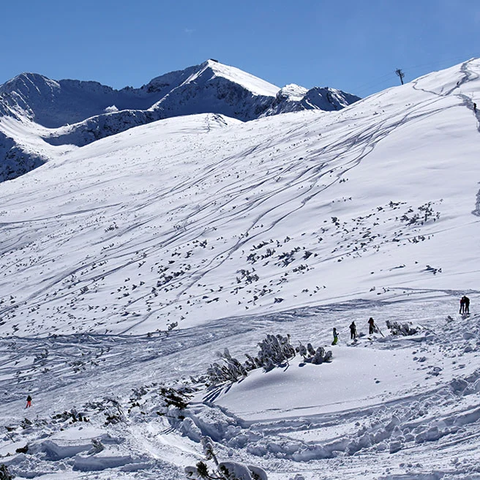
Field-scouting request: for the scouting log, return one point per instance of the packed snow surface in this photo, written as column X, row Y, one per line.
column 127, row 263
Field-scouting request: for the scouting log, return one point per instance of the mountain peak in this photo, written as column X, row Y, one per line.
column 211, row 69
column 24, row 81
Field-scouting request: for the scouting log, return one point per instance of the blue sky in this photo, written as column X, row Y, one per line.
column 353, row 45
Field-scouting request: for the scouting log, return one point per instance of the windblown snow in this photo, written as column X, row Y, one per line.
column 128, row 261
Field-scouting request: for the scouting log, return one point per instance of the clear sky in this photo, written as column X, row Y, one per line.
column 353, row 45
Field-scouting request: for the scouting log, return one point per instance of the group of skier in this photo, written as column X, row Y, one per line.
column 372, row 327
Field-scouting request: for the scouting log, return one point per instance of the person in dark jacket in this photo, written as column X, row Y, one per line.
column 371, row 326
column 467, row 304
column 353, row 331
column 464, row 305
column 29, row 402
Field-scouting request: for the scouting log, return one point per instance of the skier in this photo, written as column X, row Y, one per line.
column 464, row 305
column 467, row 304
column 29, row 402
column 335, row 336
column 474, row 107
column 372, row 328
column 353, row 331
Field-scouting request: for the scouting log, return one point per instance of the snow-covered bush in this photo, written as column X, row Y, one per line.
column 223, row 470
column 321, row 356
column 4, row 473
column 176, row 398
column 316, row 357
column 231, row 371
column 238, row 471
column 208, row 450
column 111, row 408
column 404, row 329
column 226, row 471
column 274, row 351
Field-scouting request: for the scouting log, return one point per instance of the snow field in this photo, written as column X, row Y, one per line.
column 127, row 263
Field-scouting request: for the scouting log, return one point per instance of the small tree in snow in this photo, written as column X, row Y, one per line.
column 5, row 474
column 404, row 329
column 316, row 357
column 231, row 371
column 274, row 351
column 223, row 470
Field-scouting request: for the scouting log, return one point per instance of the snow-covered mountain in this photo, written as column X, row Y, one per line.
column 76, row 112
column 126, row 263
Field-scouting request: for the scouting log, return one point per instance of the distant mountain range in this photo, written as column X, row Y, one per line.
column 74, row 112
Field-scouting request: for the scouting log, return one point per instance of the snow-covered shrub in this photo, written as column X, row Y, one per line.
column 302, row 350
column 175, row 398
column 316, row 357
column 198, row 472
column 97, row 446
column 111, row 408
column 231, row 371
column 250, row 363
column 404, row 329
column 4, row 473
column 171, row 326
column 70, row 415
column 223, row 470
column 321, row 356
column 274, row 351
column 238, row 471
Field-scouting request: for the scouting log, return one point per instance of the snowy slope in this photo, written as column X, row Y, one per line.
column 126, row 263
column 202, row 217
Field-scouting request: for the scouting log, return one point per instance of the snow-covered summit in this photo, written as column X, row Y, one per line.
column 207, row 71
column 292, row 92
column 213, row 69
